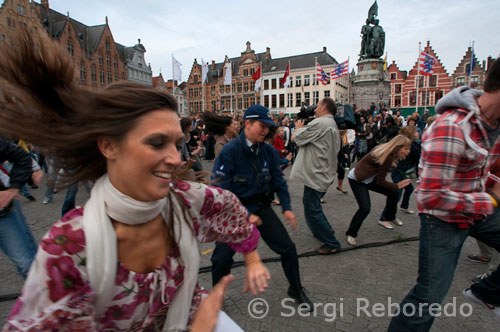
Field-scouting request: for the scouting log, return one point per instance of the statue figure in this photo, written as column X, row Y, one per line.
column 377, row 41
column 372, row 37
column 365, row 32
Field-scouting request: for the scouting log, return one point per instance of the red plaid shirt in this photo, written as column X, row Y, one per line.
column 453, row 172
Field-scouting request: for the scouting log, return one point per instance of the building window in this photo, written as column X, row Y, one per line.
column 393, row 76
column 195, row 92
column 101, row 60
column 190, row 93
column 273, row 100
column 228, row 88
column 116, row 78
column 108, row 62
column 298, row 81
column 245, row 72
column 438, row 95
column 425, row 98
column 101, row 77
column 245, row 86
column 221, row 89
column 273, row 83
column 460, row 81
column 413, row 96
column 282, row 100
column 83, row 74
column 467, row 69
column 327, row 93
column 115, row 64
column 298, row 100
column 247, row 102
column 291, row 83
column 110, row 78
column 474, row 81
column 70, row 49
column 240, row 103
column 212, row 90
column 290, row 100
column 307, row 80
column 397, row 101
column 239, row 87
column 433, row 80
column 252, row 71
column 266, row 84
column 93, row 75
column 252, row 86
column 307, row 97
column 397, row 88
column 266, row 101
column 20, row 9
column 421, row 81
column 2, row 37
column 315, row 97
column 108, row 46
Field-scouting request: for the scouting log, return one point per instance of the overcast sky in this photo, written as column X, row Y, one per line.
column 212, row 29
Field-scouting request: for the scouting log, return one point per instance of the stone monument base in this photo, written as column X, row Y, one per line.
column 371, row 84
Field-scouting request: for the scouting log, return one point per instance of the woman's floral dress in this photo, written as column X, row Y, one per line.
column 57, row 295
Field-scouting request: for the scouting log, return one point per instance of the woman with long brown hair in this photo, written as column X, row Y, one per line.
column 127, row 260
column 369, row 175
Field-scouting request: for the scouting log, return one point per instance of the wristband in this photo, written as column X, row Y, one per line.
column 494, row 198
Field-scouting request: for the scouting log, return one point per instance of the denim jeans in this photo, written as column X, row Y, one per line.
column 361, row 192
column 70, row 198
column 440, row 246
column 16, row 239
column 316, row 219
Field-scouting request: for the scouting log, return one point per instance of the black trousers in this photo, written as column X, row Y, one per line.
column 275, row 236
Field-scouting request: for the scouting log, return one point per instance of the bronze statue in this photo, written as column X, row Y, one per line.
column 372, row 37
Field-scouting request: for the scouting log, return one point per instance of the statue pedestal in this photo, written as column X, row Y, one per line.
column 371, row 84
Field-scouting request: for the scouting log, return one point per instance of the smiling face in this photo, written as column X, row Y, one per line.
column 256, row 131
column 141, row 164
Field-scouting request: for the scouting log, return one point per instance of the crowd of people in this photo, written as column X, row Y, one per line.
column 129, row 259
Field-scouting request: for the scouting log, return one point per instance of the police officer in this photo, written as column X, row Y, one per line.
column 250, row 169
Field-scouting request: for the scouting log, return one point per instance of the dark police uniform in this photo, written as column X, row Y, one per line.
column 253, row 177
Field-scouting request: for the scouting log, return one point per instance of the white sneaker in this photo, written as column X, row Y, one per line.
column 397, row 222
column 351, row 240
column 46, row 201
column 407, row 211
column 468, row 294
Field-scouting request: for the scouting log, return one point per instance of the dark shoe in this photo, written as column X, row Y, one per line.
column 478, row 258
column 342, row 191
column 325, row 250
column 494, row 309
column 479, row 278
column 31, row 198
column 300, row 297
column 34, row 186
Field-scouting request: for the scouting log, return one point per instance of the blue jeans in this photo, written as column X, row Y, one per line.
column 70, row 198
column 16, row 239
column 440, row 246
column 316, row 219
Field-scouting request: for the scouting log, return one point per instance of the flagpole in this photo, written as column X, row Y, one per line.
column 261, row 88
column 315, row 78
column 286, row 87
column 471, row 61
column 348, row 82
column 231, row 89
column 418, row 80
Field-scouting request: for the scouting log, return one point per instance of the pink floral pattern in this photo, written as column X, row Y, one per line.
column 57, row 294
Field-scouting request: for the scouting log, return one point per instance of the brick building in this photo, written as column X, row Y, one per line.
column 213, row 95
column 409, row 97
column 98, row 59
column 461, row 74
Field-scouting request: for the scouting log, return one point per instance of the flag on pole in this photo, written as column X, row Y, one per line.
column 426, row 64
column 227, row 76
column 340, row 70
column 321, row 76
column 285, row 81
column 472, row 62
column 177, row 72
column 204, row 71
column 256, row 77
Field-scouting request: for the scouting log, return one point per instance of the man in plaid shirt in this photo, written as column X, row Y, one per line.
column 455, row 193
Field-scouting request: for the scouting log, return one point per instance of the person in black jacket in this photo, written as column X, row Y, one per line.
column 16, row 239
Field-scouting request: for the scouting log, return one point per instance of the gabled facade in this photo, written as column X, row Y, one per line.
column 213, row 95
column 397, row 78
column 135, row 64
column 461, row 75
column 418, row 91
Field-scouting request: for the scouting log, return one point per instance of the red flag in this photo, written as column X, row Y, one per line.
column 285, row 81
column 256, row 77
column 426, row 65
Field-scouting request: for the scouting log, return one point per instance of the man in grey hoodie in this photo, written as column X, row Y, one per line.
column 455, row 193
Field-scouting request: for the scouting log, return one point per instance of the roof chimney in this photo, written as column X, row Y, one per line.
column 213, row 64
column 106, row 20
column 268, row 53
column 324, row 49
column 45, row 4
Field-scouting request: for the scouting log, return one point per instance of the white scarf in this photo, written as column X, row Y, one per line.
column 101, row 247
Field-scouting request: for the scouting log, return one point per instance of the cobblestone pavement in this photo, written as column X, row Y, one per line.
column 344, row 286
